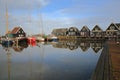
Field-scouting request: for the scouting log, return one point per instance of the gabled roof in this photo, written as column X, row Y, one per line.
column 115, row 25
column 74, row 28
column 118, row 25
column 15, row 30
column 60, row 30
column 85, row 28
column 96, row 26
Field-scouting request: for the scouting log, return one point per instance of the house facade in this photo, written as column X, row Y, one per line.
column 16, row 32
column 85, row 32
column 73, row 31
column 59, row 32
column 113, row 30
column 96, row 32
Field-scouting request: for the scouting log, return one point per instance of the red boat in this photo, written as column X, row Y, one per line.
column 32, row 41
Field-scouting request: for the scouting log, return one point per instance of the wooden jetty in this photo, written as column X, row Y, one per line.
column 108, row 66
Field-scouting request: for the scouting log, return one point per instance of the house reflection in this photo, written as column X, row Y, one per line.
column 96, row 46
column 85, row 45
column 19, row 47
column 61, row 44
column 72, row 45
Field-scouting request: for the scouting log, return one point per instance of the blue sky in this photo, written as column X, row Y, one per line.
column 50, row 14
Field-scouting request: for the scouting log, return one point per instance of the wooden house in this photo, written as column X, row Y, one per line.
column 97, row 32
column 113, row 30
column 59, row 32
column 73, row 31
column 16, row 32
column 85, row 32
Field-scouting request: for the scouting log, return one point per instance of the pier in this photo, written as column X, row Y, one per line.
column 108, row 67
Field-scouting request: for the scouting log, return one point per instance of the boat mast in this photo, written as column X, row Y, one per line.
column 41, row 24
column 6, row 19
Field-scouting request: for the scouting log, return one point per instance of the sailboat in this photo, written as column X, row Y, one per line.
column 41, row 38
column 6, row 41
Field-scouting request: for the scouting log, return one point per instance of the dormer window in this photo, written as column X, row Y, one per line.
column 71, row 29
column 96, row 29
column 83, row 29
column 112, row 28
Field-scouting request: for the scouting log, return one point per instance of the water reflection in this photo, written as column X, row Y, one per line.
column 97, row 46
column 19, row 47
column 71, row 45
column 8, row 53
column 49, row 61
column 84, row 45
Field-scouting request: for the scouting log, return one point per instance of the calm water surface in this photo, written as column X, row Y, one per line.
column 49, row 61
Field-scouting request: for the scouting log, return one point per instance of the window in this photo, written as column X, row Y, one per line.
column 84, row 29
column 112, row 28
column 71, row 29
column 96, row 29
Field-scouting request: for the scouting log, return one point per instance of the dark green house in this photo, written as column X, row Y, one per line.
column 16, row 32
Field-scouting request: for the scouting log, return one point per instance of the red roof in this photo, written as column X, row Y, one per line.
column 15, row 30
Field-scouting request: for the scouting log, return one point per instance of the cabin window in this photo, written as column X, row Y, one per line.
column 81, row 33
column 112, row 28
column 96, row 29
column 75, row 30
column 84, row 29
column 71, row 33
column 71, row 29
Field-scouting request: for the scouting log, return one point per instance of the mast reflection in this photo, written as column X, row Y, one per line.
column 7, row 49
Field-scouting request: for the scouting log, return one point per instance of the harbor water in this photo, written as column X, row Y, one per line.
column 69, row 60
